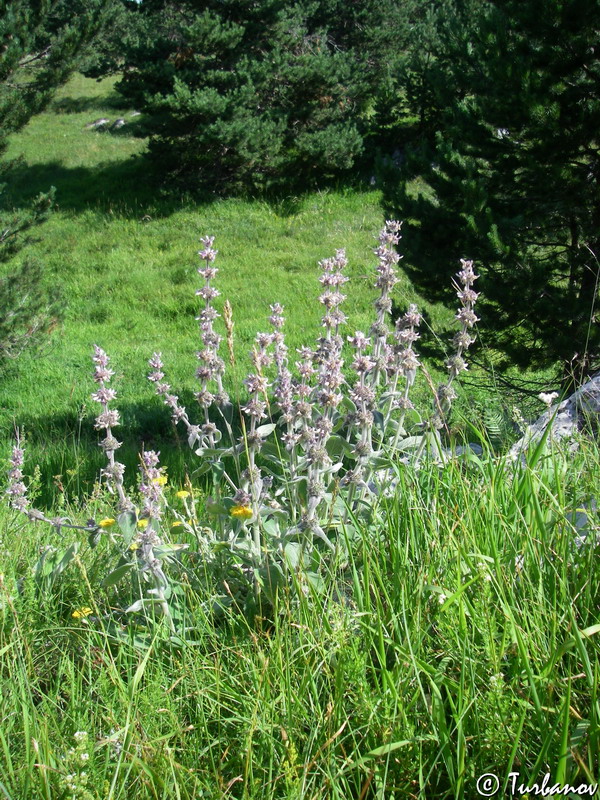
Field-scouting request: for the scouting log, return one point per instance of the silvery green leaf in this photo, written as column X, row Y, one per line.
column 163, row 592
column 264, row 430
column 202, row 469
column 270, row 578
column 127, row 522
column 348, row 405
column 338, row 446
column 410, row 443
column 276, row 513
column 293, row 554
column 66, row 559
column 316, row 581
column 379, row 462
column 211, row 452
column 94, row 538
column 212, row 507
column 320, row 534
column 168, row 549
column 270, row 451
column 45, row 563
column 271, row 527
column 388, row 396
column 137, row 606
column 116, row 575
column 379, row 420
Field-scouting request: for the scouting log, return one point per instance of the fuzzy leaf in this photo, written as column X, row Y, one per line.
column 116, row 575
column 264, row 430
column 293, row 554
column 127, row 522
column 94, row 538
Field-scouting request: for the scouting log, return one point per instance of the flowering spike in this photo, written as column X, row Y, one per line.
column 106, row 420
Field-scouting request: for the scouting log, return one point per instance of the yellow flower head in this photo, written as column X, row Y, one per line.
column 182, row 494
column 177, row 523
column 106, row 523
column 134, row 546
column 161, row 480
column 142, row 524
column 79, row 613
column 241, row 512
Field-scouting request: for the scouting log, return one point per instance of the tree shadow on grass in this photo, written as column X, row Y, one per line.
column 63, row 448
column 136, row 188
column 129, row 188
column 79, row 105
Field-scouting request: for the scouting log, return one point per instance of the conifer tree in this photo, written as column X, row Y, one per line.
column 510, row 162
column 241, row 94
column 41, row 44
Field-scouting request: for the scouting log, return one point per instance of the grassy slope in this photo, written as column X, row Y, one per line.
column 126, row 260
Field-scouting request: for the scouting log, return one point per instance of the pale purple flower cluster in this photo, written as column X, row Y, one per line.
column 211, row 367
column 283, row 387
column 204, row 434
column 387, row 278
column 147, row 538
column 256, row 410
column 463, row 339
column 17, row 491
column 151, row 485
column 106, row 420
column 326, row 363
column 404, row 360
column 363, row 396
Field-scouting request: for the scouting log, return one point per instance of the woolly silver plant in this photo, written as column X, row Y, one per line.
column 387, row 278
column 251, row 490
column 284, row 392
column 147, row 538
column 212, row 366
column 113, row 473
column 385, row 366
column 326, row 395
column 462, row 340
column 106, row 420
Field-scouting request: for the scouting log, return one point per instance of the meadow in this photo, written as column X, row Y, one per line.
column 455, row 634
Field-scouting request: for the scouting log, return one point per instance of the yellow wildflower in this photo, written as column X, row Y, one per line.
column 177, row 523
column 142, row 524
column 182, row 494
column 134, row 546
column 241, row 512
column 106, row 523
column 79, row 613
column 161, row 480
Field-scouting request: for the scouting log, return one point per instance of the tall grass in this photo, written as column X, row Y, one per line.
column 460, row 639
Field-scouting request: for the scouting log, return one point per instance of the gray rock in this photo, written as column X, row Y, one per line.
column 98, row 124
column 579, row 412
column 118, row 123
column 135, row 114
column 587, row 533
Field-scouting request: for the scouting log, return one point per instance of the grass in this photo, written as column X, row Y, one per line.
column 463, row 639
